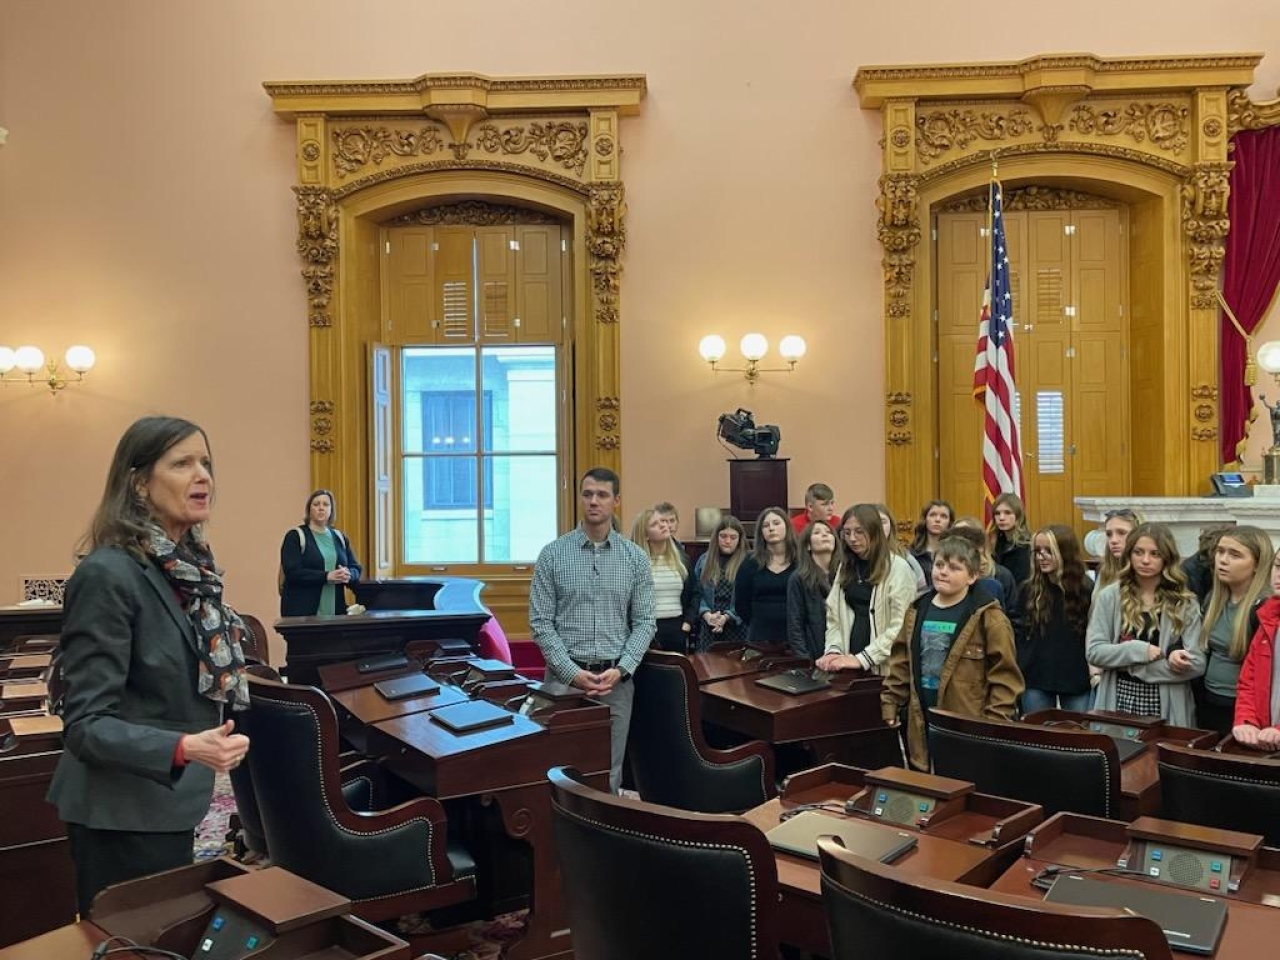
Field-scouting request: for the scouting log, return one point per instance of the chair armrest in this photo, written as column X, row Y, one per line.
column 421, row 808
column 743, row 752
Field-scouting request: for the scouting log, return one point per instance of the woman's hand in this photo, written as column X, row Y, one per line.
column 339, row 575
column 1180, row 661
column 1269, row 738
column 218, row 749
column 1153, row 652
column 832, row 662
column 1246, row 734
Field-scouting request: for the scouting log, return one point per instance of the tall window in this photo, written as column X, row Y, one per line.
column 479, row 453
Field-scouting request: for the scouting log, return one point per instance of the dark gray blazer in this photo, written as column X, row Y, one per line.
column 128, row 653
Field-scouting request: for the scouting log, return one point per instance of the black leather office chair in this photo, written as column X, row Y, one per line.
column 875, row 910
column 643, row 881
column 670, row 759
column 389, row 862
column 1229, row 791
column 1058, row 768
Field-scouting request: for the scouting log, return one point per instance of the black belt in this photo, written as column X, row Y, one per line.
column 595, row 666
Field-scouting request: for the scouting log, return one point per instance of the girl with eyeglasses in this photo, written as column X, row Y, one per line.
column 1010, row 536
column 1055, row 619
column 1241, row 582
column 868, row 601
column 1116, row 527
column 1144, row 632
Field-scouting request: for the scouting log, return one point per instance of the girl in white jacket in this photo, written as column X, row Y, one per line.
column 869, row 599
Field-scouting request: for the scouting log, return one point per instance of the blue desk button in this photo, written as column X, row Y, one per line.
column 883, row 797
column 924, row 807
column 218, row 923
column 1157, row 855
column 1216, row 866
column 251, row 943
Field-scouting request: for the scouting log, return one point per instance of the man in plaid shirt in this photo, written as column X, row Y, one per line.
column 591, row 608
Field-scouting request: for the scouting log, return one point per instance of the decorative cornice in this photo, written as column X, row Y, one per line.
column 428, row 92
column 1164, row 124
column 944, row 130
column 1245, row 114
column 1051, row 73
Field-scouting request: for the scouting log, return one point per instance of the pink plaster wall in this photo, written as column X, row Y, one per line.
column 145, row 209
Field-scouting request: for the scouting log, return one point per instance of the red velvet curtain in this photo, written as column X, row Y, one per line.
column 1251, row 270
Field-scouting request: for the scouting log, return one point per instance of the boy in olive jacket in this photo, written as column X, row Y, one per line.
column 955, row 652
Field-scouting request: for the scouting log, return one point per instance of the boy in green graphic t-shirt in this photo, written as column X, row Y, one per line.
column 955, row 652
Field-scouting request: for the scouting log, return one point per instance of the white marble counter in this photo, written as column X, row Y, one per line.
column 1186, row 515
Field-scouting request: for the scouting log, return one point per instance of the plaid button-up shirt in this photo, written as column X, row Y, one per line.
column 591, row 602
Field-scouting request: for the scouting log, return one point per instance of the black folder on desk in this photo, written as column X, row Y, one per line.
column 794, row 682
column 1191, row 922
column 1128, row 748
column 471, row 716
column 799, row 835
column 401, row 688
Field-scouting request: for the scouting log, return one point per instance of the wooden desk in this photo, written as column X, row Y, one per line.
column 313, row 642
column 1139, row 775
column 28, row 621
column 359, row 708
column 1073, row 840
column 37, row 880
column 507, row 767
column 29, row 667
column 840, row 724
column 945, row 851
column 726, row 662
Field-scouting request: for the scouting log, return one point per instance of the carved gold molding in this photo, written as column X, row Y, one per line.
column 477, row 213
column 1205, row 222
column 1150, row 126
column 1245, row 114
column 368, row 151
column 1029, row 198
column 606, row 237
column 318, row 247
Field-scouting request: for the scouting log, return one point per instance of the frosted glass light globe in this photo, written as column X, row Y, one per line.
column 29, row 359
column 8, row 360
column 792, row 348
column 754, row 346
column 711, row 348
column 1269, row 356
column 80, row 358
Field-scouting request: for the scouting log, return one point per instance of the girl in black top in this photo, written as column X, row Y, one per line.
column 936, row 518
column 1010, row 537
column 1055, row 620
column 761, row 588
column 716, row 574
column 807, row 592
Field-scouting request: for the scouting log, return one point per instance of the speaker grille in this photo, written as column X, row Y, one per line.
column 900, row 809
column 1186, row 869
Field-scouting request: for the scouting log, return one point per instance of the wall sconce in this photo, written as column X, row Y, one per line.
column 754, row 346
column 31, row 366
column 1269, row 358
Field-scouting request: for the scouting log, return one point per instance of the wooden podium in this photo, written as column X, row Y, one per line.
column 755, row 485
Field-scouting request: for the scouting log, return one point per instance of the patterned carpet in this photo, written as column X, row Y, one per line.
column 488, row 936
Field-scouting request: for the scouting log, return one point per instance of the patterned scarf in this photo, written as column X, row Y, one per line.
column 189, row 568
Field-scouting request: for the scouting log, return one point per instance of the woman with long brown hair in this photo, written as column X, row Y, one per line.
column 1055, row 619
column 1144, row 632
column 760, row 593
column 716, row 572
column 807, row 592
column 869, row 599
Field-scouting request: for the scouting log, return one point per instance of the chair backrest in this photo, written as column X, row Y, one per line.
column 1232, row 792
column 254, row 836
column 258, row 646
column 876, row 911
column 670, row 759
column 1058, row 768
column 644, row 881
column 298, row 786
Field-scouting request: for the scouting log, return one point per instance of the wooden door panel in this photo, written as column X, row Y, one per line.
column 408, row 283
column 495, row 280
column 538, row 293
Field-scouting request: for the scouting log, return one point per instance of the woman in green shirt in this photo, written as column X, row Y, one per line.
column 316, row 562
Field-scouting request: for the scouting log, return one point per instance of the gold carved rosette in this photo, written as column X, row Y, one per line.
column 1151, row 130
column 370, row 151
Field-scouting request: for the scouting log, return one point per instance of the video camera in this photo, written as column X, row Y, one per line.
column 739, row 429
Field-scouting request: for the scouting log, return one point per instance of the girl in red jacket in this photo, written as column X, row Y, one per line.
column 1257, row 720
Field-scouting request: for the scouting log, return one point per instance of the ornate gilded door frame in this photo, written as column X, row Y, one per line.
column 1152, row 130
column 369, row 150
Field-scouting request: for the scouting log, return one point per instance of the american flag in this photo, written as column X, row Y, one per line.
column 993, row 384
